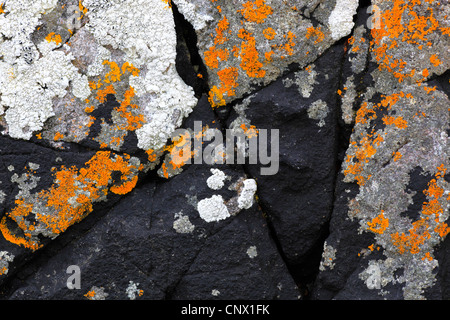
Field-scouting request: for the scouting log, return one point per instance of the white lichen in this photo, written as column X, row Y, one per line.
column 318, row 110
column 182, row 224
column 340, row 20
column 216, row 181
column 213, row 209
column 193, row 14
column 247, row 194
column 5, row 259
column 132, row 290
column 145, row 32
column 328, row 256
column 251, row 252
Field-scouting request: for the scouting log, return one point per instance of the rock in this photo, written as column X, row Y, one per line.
column 298, row 196
column 389, row 220
column 140, row 241
column 223, row 150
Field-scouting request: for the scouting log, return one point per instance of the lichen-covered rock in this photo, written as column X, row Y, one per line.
column 118, row 179
column 248, row 44
column 394, row 187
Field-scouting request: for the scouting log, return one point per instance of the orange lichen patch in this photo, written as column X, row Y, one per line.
column 250, row 132
column 58, row 136
column 18, row 240
column 429, row 223
column 249, row 55
column 365, row 149
column 289, row 45
column 180, row 154
column 399, row 122
column 364, row 113
column 425, row 73
column 315, row 32
column 71, row 197
column 378, row 224
column 213, row 56
column 393, row 28
column 2, row 9
column 151, row 155
column 228, row 80
column 428, row 90
column 222, row 27
column 52, row 37
column 269, row 33
column 215, row 97
column 256, row 11
column 427, row 256
column 114, row 74
column 268, row 56
column 413, row 239
column 128, row 67
column 434, row 60
column 101, row 94
column 91, row 293
column 134, row 122
column 89, row 109
column 397, row 156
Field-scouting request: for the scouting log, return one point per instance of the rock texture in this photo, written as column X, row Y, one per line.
column 115, row 173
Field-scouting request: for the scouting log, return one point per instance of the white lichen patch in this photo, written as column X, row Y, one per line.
column 340, row 20
column 97, row 293
column 27, row 90
column 26, row 183
column 304, row 79
column 145, row 32
column 5, row 259
column 182, row 224
column 213, row 209
column 318, row 110
column 193, row 14
column 251, row 252
column 247, row 194
column 372, row 276
column 328, row 256
column 217, row 180
column 132, row 291
column 215, row 292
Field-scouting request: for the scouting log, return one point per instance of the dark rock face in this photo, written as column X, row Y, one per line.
column 347, row 200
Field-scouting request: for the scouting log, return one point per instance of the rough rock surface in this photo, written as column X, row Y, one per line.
column 348, row 100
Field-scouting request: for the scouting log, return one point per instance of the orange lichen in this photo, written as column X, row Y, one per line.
column 378, row 224
column 315, row 32
column 250, row 132
column 394, row 28
column 249, row 55
column 289, row 45
column 399, row 122
column 52, row 37
column 128, row 67
column 114, row 74
column 2, row 9
column 255, row 11
column 435, row 61
column 71, row 197
column 58, row 136
column 423, row 228
column 397, row 156
column 269, row 33
column 91, row 294
column 134, row 122
column 101, row 94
